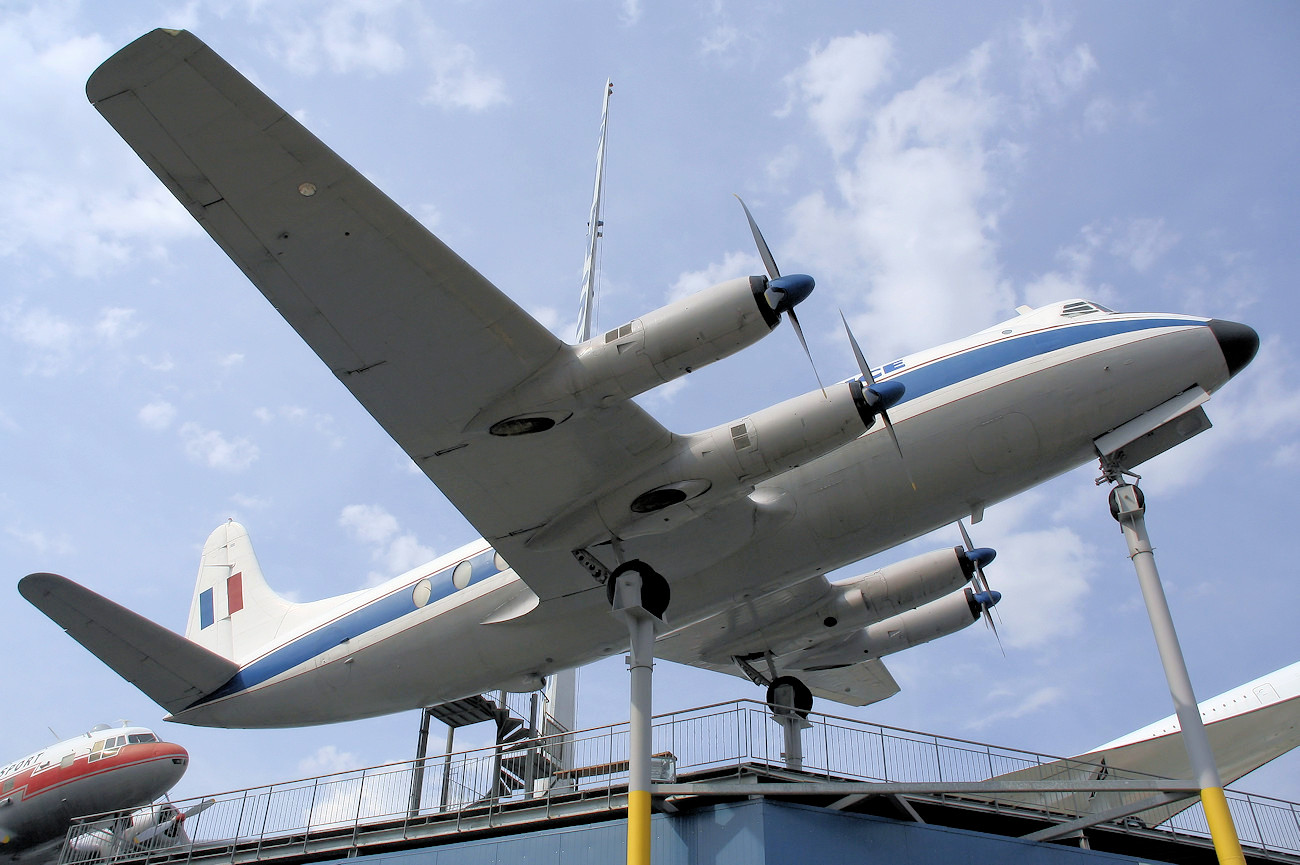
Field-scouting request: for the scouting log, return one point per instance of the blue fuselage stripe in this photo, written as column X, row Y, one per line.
column 389, row 608
column 982, row 359
column 923, row 380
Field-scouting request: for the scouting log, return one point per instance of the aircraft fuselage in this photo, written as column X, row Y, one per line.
column 982, row 419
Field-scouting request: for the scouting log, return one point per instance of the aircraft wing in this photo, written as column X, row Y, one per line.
column 169, row 669
column 859, row 684
column 752, row 628
column 421, row 339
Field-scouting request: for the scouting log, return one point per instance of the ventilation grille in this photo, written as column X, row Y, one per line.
column 619, row 332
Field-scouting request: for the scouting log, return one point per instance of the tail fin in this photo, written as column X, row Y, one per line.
column 234, row 612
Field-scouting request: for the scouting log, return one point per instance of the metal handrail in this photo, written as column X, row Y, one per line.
column 348, row 809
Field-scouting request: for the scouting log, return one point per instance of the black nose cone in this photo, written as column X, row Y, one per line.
column 1238, row 342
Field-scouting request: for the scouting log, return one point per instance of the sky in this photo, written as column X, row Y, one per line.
column 933, row 165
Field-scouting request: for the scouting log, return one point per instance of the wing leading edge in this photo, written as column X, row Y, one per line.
column 418, row 336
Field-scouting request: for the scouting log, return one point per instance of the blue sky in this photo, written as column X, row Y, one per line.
column 932, row 164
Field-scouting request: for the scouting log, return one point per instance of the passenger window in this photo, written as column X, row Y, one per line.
column 499, row 561
column 420, row 594
column 461, row 576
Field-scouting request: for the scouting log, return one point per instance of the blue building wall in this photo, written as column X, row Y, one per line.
column 755, row 832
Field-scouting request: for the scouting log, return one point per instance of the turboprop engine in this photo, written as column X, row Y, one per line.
column 644, row 353
column 912, row 628
column 718, row 465
column 864, row 600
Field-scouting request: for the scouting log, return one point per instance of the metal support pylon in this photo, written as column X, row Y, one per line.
column 1128, row 507
column 627, row 605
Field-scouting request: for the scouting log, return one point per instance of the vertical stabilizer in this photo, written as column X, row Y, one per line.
column 234, row 612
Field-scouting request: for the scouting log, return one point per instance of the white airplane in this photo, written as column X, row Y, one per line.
column 107, row 769
column 571, row 483
column 1248, row 726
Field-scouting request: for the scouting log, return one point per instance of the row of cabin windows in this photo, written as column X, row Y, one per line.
column 461, row 576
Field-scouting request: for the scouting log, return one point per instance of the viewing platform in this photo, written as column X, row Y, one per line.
column 534, row 790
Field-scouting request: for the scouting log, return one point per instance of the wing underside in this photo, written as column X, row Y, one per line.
column 757, row 629
column 418, row 336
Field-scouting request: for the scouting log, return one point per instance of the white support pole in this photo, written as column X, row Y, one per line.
column 1129, row 509
column 641, row 637
column 793, row 727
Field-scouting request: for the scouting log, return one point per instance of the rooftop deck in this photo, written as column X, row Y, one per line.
column 715, row 753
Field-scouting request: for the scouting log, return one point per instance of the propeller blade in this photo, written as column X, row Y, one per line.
column 794, row 321
column 766, row 254
column 986, row 601
column 865, row 368
column 985, row 597
column 988, row 620
column 981, row 582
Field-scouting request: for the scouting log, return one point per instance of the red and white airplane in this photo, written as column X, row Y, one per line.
column 108, row 769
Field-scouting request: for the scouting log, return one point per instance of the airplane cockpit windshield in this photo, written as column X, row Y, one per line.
column 1083, row 307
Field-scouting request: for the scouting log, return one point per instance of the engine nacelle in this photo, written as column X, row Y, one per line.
column 870, row 598
column 906, row 585
column 912, row 628
column 721, row 464
column 633, row 358
column 676, row 339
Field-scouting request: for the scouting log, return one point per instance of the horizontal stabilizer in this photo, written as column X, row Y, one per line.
column 169, row 669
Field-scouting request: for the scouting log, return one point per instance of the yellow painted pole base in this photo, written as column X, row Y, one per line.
column 1222, row 830
column 638, row 827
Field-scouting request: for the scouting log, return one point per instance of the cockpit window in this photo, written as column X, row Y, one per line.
column 142, row 738
column 1083, row 307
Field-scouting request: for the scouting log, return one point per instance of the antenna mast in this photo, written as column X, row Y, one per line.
column 594, row 226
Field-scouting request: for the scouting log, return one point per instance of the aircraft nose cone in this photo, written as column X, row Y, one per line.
column 1237, row 341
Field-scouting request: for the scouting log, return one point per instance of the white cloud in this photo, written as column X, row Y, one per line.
column 720, row 40
column 733, row 263
column 1141, row 242
column 395, row 550
column 1135, row 242
column 1043, row 572
column 157, row 415
column 916, row 207
column 370, row 524
column 630, row 11
column 43, row 543
column 344, row 37
column 1051, row 71
column 327, row 760
column 1015, row 704
column 320, row 422
column 56, row 344
column 213, row 449
column 837, row 80
column 116, row 325
column 458, row 80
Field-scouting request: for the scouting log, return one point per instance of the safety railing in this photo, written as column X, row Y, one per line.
column 583, row 770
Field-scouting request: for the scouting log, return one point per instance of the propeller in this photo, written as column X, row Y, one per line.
column 984, row 596
column 783, row 292
column 880, row 395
